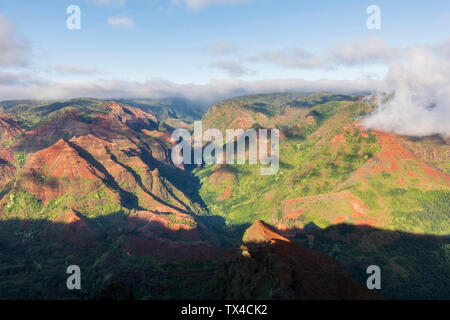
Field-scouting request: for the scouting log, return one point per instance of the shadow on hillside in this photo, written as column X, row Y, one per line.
column 74, row 124
column 413, row 266
column 123, row 257
column 183, row 180
column 148, row 257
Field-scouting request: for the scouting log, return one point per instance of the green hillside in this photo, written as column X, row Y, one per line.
column 176, row 112
column 363, row 197
column 331, row 169
column 92, row 182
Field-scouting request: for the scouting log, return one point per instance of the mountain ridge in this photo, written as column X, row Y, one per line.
column 88, row 170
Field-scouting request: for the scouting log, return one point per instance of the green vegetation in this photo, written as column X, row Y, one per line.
column 413, row 266
column 330, row 174
column 22, row 204
column 309, row 164
column 30, row 114
column 164, row 109
column 20, row 158
column 432, row 218
column 318, row 161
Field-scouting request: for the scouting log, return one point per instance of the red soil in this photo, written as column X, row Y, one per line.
column 61, row 160
column 163, row 136
column 292, row 201
column 359, row 210
column 157, row 223
column 64, row 123
column 6, row 155
column 71, row 226
column 226, row 194
column 8, row 128
column 7, row 173
column 392, row 153
column 339, row 220
column 74, row 219
column 269, row 196
column 130, row 115
column 57, row 161
column 262, row 232
column 338, row 139
column 293, row 214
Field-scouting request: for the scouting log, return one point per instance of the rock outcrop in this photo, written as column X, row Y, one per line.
column 269, row 266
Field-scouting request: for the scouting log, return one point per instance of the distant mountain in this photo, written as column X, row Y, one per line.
column 176, row 112
column 269, row 110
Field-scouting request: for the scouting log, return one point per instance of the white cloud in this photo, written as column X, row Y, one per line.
column 369, row 50
column 419, row 78
column 220, row 47
column 294, row 58
column 420, row 83
column 13, row 51
column 443, row 48
column 74, row 69
column 10, row 79
column 208, row 93
column 233, row 68
column 124, row 22
column 372, row 50
column 14, row 80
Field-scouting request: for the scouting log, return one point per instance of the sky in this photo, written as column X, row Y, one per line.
column 195, row 41
column 214, row 49
column 199, row 41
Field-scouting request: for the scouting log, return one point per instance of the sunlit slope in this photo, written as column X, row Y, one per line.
column 91, row 159
column 331, row 169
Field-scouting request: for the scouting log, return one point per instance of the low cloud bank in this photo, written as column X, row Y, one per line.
column 418, row 84
column 206, row 94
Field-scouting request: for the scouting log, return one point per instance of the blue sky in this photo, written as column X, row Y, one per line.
column 199, row 41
